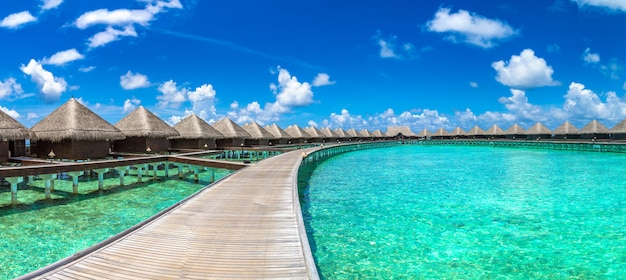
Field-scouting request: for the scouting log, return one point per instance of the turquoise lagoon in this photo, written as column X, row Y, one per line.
column 466, row 212
column 39, row 232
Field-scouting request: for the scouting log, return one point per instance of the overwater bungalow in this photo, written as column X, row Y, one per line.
column 13, row 137
column 341, row 134
column 195, row 133
column 298, row 135
column 618, row 132
column 234, row 135
column 424, row 133
column 145, row 133
column 538, row 132
column 494, row 132
column 476, row 132
column 566, row 131
column 366, row 134
column 399, row 132
column 316, row 135
column 72, row 131
column 329, row 135
column 594, row 130
column 515, row 132
column 377, row 134
column 353, row 135
column 280, row 135
column 458, row 132
column 258, row 135
column 441, row 133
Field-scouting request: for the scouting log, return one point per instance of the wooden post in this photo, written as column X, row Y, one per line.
column 100, row 173
column 122, row 170
column 48, row 178
column 14, row 181
column 75, row 175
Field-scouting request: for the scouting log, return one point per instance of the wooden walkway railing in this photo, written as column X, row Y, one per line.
column 247, row 226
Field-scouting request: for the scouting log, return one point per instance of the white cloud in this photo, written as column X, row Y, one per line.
column 10, row 89
column 609, row 4
column 473, row 84
column 291, row 93
column 590, row 57
column 109, row 35
column 524, row 71
column 172, row 96
column 203, row 99
column 389, row 45
column 470, row 28
column 31, row 116
column 584, row 103
column 121, row 17
column 130, row 81
column 51, row 87
column 50, row 4
column 130, row 105
column 86, row 69
column 322, row 79
column 346, row 120
column 63, row 57
column 518, row 105
column 312, row 123
column 14, row 114
column 624, row 86
column 17, row 19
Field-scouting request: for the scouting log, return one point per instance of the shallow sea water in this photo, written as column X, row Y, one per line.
column 40, row 232
column 452, row 212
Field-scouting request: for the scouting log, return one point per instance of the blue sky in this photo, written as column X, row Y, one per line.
column 349, row 64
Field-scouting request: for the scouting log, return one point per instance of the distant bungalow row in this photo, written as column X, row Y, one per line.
column 72, row 131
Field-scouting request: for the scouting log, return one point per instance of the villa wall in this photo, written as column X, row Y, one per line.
column 73, row 149
column 230, row 142
column 140, row 144
column 4, row 151
column 193, row 144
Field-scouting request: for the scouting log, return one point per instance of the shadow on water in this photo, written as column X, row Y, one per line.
column 64, row 197
column 304, row 175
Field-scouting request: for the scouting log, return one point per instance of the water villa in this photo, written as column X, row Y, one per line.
column 145, row 133
column 234, row 135
column 566, row 131
column 195, row 133
column 538, row 131
column 298, row 135
column 316, row 135
column 280, row 136
column 258, row 135
column 13, row 137
column 72, row 131
column 515, row 132
column 329, row 135
column 594, row 130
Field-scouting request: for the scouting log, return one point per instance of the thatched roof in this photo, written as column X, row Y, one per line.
column 193, row 127
column 594, row 127
column 395, row 130
column 74, row 121
column 515, row 129
column 494, row 130
column 619, row 128
column 441, row 132
column 297, row 132
column 365, row 133
column 278, row 132
column 352, row 133
column 329, row 133
column 340, row 133
column 424, row 133
column 566, row 128
column 231, row 130
column 475, row 131
column 143, row 123
column 538, row 128
column 256, row 131
column 314, row 132
column 457, row 132
column 10, row 129
column 378, row 133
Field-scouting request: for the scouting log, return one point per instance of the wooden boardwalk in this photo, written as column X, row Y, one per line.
column 247, row 226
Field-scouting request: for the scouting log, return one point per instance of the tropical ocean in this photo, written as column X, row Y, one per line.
column 467, row 212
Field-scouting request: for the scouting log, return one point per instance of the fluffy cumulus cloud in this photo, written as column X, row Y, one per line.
column 470, row 28
column 172, row 96
column 417, row 120
column 14, row 114
column 583, row 103
column 121, row 22
column 50, row 86
column 322, row 79
column 130, row 81
column 50, row 4
column 590, row 57
column 63, row 57
column 203, row 100
column 390, row 48
column 524, row 71
column 10, row 89
column 130, row 105
column 617, row 5
column 345, row 120
column 16, row 20
column 289, row 92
